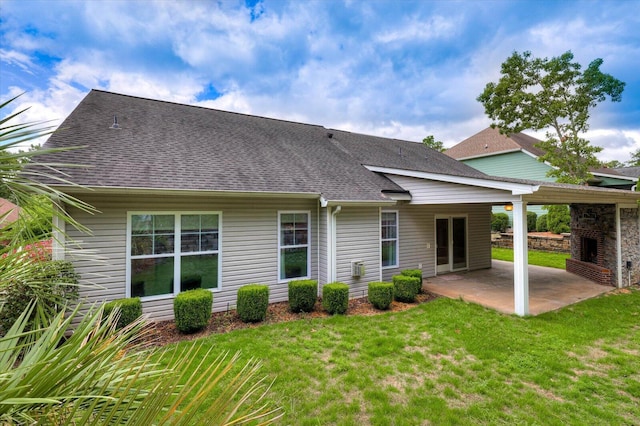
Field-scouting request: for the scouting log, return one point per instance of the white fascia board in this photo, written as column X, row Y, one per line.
column 487, row 154
column 629, row 178
column 356, row 203
column 514, row 188
column 532, row 155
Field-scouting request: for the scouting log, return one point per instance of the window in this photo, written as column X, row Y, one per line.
column 293, row 245
column 170, row 253
column 389, row 239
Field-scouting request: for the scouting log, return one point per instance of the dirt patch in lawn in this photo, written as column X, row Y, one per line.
column 162, row 333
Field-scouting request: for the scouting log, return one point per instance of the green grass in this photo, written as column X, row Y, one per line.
column 450, row 362
column 540, row 258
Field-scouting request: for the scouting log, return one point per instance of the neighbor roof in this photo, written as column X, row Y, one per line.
column 9, row 212
column 164, row 145
column 633, row 172
column 490, row 141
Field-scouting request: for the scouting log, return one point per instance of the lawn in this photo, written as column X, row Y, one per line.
column 540, row 258
column 451, row 362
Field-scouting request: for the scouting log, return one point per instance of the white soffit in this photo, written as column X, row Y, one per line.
column 514, row 188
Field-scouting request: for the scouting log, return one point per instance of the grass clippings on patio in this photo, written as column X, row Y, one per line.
column 452, row 362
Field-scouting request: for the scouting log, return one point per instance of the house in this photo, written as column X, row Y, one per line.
column 9, row 213
column 632, row 172
column 193, row 197
column 516, row 156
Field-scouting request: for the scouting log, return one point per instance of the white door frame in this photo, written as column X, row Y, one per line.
column 449, row 267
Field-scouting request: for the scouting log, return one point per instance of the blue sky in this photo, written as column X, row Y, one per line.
column 401, row 69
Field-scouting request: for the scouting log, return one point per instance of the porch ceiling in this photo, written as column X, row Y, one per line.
column 578, row 194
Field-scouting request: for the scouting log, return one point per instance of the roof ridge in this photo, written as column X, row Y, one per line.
column 208, row 108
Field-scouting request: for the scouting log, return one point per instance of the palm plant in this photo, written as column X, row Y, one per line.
column 72, row 368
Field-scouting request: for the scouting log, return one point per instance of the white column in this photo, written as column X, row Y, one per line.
column 520, row 259
column 58, row 232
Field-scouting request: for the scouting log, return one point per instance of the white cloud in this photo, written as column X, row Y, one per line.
column 17, row 58
column 417, row 28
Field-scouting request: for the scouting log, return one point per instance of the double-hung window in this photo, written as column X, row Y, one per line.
column 293, row 245
column 173, row 252
column 389, row 239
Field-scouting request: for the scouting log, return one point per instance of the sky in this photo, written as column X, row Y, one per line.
column 398, row 69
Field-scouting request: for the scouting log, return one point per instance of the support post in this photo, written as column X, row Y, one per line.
column 520, row 259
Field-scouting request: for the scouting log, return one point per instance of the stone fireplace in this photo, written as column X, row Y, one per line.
column 595, row 251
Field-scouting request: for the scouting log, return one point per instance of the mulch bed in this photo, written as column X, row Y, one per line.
column 162, row 333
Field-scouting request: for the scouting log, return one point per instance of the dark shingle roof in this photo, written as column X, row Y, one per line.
column 633, row 172
column 163, row 145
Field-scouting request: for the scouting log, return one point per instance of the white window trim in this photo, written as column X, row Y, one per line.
column 308, row 245
column 177, row 254
column 397, row 239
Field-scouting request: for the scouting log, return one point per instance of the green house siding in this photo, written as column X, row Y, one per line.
column 515, row 165
column 512, row 164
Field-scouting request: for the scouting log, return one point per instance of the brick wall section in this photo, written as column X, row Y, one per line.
column 558, row 244
column 590, row 271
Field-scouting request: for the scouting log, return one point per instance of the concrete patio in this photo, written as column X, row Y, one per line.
column 549, row 288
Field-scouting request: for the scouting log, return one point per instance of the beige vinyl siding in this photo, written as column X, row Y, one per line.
column 433, row 192
column 249, row 244
column 358, row 239
column 417, row 232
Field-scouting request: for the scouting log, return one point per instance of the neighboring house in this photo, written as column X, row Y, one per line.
column 632, row 172
column 517, row 156
column 194, row 197
column 9, row 213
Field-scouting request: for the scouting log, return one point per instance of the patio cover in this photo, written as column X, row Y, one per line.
column 432, row 188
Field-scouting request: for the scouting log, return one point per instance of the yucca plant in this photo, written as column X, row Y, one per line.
column 93, row 374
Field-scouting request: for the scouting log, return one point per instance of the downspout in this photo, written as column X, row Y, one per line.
column 333, row 247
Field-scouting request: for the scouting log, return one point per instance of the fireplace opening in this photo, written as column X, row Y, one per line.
column 589, row 250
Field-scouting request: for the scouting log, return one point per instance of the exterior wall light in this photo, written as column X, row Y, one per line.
column 508, row 207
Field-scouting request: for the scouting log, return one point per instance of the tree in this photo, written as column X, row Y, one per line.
column 613, row 164
column 431, row 142
column 635, row 159
column 553, row 95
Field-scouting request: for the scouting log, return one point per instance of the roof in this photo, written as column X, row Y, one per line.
column 9, row 212
column 633, row 172
column 169, row 146
column 490, row 141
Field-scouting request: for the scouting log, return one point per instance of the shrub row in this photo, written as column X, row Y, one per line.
column 192, row 308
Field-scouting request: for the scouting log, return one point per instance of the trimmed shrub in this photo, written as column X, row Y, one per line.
column 558, row 218
column 380, row 294
column 253, row 300
column 405, row 288
column 192, row 309
column 541, row 223
column 130, row 310
column 414, row 273
column 499, row 222
column 302, row 295
column 531, row 221
column 335, row 298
